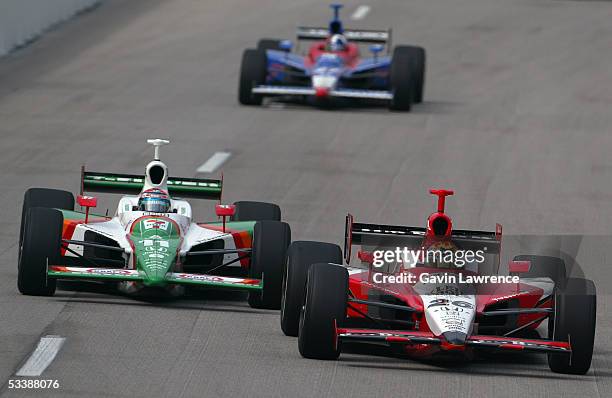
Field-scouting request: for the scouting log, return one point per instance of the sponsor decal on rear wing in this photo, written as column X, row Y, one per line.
column 363, row 36
column 132, row 184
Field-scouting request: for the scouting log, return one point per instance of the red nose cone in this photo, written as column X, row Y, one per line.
column 321, row 92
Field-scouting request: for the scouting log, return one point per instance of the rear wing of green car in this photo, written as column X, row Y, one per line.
column 132, row 184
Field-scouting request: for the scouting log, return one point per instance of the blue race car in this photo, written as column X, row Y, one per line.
column 334, row 67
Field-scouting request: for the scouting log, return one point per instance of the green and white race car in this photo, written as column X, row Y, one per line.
column 152, row 241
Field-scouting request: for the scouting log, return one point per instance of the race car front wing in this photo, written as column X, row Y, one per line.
column 309, row 91
column 391, row 337
column 120, row 274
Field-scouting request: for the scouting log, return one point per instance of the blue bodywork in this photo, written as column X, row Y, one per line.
column 285, row 68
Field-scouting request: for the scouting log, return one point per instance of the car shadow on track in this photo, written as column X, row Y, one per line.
column 425, row 108
column 194, row 299
column 486, row 364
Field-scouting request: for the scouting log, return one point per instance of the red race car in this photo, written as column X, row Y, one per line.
column 434, row 291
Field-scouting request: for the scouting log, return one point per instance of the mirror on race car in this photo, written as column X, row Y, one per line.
column 376, row 48
column 285, row 45
column 225, row 211
column 87, row 202
column 518, row 267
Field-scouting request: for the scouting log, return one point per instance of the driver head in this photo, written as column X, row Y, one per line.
column 337, row 43
column 154, row 201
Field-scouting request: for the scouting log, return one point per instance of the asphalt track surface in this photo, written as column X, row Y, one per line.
column 516, row 119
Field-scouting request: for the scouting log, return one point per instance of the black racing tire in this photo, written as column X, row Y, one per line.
column 44, row 197
column 300, row 256
column 545, row 266
column 419, row 57
column 269, row 44
column 574, row 321
column 270, row 242
column 256, row 211
column 253, row 70
column 324, row 309
column 402, row 79
column 41, row 246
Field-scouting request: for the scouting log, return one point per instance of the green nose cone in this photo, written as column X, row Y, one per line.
column 156, row 241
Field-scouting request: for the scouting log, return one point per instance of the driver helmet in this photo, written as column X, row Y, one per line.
column 440, row 254
column 337, row 43
column 154, row 201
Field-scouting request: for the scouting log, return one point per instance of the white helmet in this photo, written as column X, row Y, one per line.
column 337, row 43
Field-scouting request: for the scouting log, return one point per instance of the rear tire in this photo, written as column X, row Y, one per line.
column 402, row 79
column 269, row 44
column 324, row 309
column 41, row 246
column 44, row 197
column 574, row 321
column 300, row 256
column 544, row 266
column 253, row 71
column 270, row 242
column 256, row 211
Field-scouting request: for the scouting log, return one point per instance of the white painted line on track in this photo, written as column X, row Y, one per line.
column 360, row 13
column 214, row 162
column 43, row 355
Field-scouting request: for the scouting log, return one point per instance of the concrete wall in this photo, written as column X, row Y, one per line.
column 23, row 20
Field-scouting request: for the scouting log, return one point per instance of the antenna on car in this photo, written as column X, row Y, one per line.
column 157, row 142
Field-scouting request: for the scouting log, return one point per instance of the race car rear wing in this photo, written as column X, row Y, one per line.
column 132, row 184
column 361, row 36
column 397, row 235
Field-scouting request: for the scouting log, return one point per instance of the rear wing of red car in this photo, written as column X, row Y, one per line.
column 132, row 184
column 398, row 235
column 360, row 36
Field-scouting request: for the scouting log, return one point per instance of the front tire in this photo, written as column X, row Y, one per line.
column 574, row 321
column 41, row 246
column 324, row 309
column 300, row 256
column 270, row 242
column 253, row 71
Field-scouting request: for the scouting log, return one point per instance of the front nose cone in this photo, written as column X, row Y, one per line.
column 323, row 85
column 455, row 338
